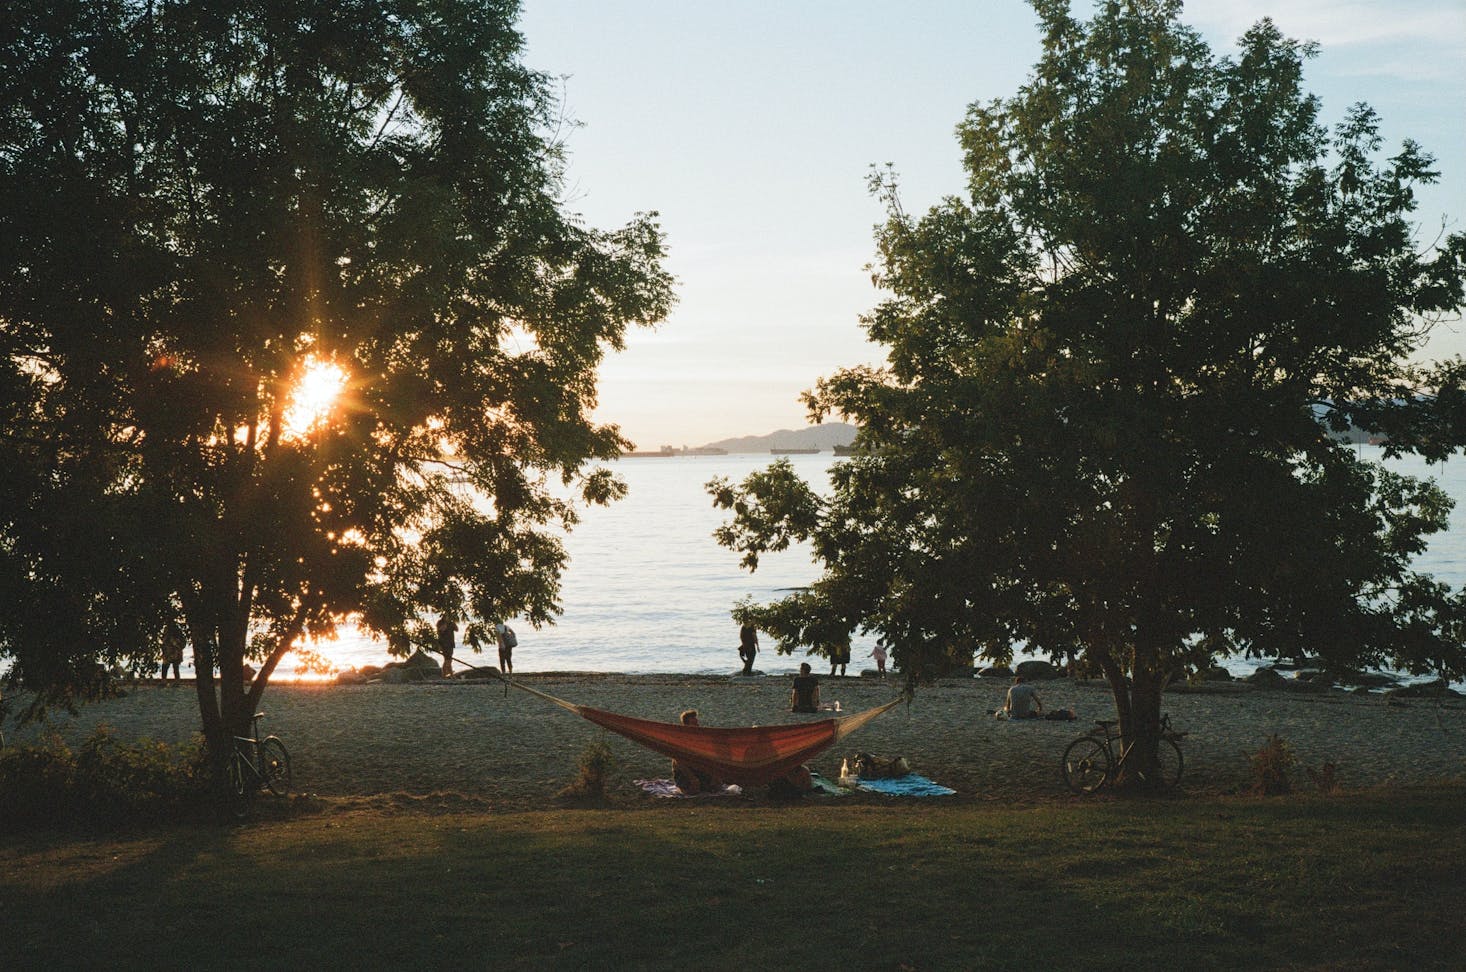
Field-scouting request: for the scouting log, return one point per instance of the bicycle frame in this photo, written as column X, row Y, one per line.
column 1099, row 757
column 257, row 763
column 249, row 755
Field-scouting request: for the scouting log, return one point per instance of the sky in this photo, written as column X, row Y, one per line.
column 750, row 127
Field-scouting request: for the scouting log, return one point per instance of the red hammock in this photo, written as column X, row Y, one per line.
column 747, row 756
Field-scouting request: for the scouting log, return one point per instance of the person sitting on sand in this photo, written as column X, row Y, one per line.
column 793, row 784
column 805, row 696
column 689, row 780
column 1023, row 700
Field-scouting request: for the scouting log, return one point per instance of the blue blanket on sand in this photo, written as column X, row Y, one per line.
column 911, row 784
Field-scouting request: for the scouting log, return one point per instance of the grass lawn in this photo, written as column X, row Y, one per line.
column 1373, row 880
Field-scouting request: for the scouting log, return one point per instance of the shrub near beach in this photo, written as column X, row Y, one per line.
column 101, row 783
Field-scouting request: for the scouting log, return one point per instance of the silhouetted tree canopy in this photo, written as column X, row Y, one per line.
column 1116, row 367
column 203, row 202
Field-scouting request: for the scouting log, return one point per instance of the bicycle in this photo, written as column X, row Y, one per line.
column 257, row 764
column 1091, row 761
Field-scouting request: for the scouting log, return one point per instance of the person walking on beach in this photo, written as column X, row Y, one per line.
column 879, row 654
column 172, row 652
column 805, row 696
column 507, row 640
column 747, row 646
column 447, row 630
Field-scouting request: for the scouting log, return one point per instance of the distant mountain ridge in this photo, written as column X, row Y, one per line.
column 823, row 437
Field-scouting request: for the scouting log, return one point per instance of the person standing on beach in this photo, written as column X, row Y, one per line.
column 504, row 635
column 805, row 696
column 879, row 654
column 172, row 652
column 747, row 646
column 447, row 631
column 840, row 655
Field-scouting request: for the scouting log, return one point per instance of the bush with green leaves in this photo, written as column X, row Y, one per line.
column 100, row 783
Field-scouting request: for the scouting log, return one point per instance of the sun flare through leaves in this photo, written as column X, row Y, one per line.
column 314, row 396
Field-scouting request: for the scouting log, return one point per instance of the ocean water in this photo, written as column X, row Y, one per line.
column 649, row 590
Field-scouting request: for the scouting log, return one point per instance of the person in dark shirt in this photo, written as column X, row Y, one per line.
column 172, row 651
column 447, row 641
column 805, row 696
column 747, row 646
column 840, row 655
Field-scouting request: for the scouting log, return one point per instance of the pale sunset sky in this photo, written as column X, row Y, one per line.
column 751, row 127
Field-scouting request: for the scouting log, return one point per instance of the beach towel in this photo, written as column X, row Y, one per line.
column 912, row 785
column 751, row 756
column 826, row 787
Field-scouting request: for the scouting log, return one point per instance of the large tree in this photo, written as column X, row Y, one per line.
column 1117, row 370
column 210, row 213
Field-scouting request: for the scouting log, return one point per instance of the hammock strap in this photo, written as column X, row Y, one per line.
column 544, row 695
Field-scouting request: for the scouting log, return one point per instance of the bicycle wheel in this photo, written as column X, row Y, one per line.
column 1169, row 762
column 1086, row 765
column 239, row 787
column 238, row 773
column 275, row 765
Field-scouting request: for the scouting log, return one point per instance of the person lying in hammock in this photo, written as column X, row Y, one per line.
column 689, row 780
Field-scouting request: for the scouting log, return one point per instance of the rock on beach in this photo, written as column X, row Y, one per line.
column 508, row 749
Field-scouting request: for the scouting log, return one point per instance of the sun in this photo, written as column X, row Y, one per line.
column 314, row 395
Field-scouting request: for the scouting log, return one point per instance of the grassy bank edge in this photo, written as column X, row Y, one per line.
column 1368, row 879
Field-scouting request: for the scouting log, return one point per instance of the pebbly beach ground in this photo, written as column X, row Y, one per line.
column 481, row 744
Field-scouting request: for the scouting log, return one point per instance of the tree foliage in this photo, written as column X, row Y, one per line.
column 202, row 204
column 1117, row 367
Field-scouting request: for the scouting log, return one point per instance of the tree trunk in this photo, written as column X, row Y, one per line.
column 224, row 710
column 217, row 741
column 1140, row 717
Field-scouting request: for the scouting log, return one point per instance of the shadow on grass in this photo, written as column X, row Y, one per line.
column 1365, row 881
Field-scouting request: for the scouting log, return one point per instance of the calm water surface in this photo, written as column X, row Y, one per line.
column 649, row 590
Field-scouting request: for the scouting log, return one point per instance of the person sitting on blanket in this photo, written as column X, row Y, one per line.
column 805, row 697
column 689, row 780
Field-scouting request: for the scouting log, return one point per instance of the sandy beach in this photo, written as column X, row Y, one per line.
column 509, row 750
